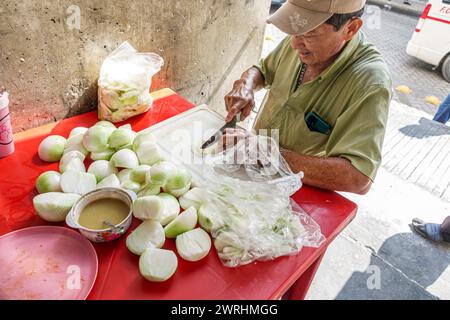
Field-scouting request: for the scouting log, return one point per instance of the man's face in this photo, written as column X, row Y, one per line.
column 319, row 45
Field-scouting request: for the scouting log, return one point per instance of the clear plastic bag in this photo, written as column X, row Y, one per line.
column 255, row 159
column 253, row 217
column 124, row 83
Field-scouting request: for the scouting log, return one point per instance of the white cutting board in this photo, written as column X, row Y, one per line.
column 181, row 137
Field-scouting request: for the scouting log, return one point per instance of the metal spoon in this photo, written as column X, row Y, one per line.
column 109, row 224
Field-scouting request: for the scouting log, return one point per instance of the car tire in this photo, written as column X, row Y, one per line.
column 446, row 68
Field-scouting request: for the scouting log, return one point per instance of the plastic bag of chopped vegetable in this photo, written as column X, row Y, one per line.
column 248, row 209
column 124, row 83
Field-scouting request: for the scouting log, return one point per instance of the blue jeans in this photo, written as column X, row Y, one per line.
column 443, row 113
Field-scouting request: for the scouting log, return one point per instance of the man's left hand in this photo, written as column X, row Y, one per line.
column 232, row 136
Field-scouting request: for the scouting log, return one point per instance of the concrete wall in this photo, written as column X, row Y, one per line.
column 51, row 70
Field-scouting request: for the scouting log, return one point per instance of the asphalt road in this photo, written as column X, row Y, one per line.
column 391, row 38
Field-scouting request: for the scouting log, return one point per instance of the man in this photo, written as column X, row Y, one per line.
column 329, row 94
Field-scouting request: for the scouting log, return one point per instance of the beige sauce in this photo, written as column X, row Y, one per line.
column 112, row 210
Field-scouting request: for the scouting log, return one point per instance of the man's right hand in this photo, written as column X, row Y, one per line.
column 241, row 99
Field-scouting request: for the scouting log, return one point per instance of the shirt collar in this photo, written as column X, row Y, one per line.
column 343, row 57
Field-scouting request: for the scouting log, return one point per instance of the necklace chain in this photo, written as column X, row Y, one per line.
column 301, row 75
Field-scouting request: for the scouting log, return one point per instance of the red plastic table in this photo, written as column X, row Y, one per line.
column 118, row 274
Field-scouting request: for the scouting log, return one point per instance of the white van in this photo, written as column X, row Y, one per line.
column 431, row 40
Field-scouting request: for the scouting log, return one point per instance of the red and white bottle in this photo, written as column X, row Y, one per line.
column 6, row 135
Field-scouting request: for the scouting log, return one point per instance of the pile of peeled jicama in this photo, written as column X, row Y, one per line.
column 133, row 162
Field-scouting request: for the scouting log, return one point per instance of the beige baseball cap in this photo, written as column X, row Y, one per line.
column 300, row 16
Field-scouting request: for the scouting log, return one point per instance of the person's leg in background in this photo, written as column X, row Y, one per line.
column 443, row 113
column 445, row 230
column 433, row 231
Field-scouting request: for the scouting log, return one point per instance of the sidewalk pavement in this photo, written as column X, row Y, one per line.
column 377, row 256
column 412, row 182
column 415, row 8
column 417, row 149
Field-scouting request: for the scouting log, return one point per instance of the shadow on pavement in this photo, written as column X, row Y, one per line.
column 406, row 265
column 425, row 128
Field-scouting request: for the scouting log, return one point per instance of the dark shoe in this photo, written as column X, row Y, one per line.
column 430, row 231
column 407, row 2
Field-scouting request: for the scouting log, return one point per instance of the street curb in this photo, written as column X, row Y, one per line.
column 399, row 8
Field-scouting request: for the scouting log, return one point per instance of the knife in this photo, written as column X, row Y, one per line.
column 216, row 136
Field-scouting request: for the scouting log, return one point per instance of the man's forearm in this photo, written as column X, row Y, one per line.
column 241, row 99
column 328, row 173
column 253, row 78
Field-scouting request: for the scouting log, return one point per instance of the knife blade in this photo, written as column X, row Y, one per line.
column 216, row 136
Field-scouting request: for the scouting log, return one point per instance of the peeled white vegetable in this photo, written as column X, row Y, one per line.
column 177, row 192
column 109, row 182
column 141, row 138
column 149, row 234
column 149, row 207
column 121, row 137
column 184, row 222
column 54, row 206
column 193, row 245
column 150, row 190
column 127, row 146
column 126, row 183
column 226, row 241
column 126, row 126
column 125, row 158
column 68, row 157
column 51, row 148
column 103, row 155
column 78, row 130
column 101, row 169
column 148, row 153
column 206, row 214
column 74, row 165
column 48, row 182
column 96, row 138
column 124, row 175
column 131, row 185
column 161, row 172
column 139, row 173
column 158, row 265
column 105, row 124
column 171, row 208
column 231, row 253
column 78, row 182
column 179, row 179
column 72, row 155
column 75, row 143
column 193, row 198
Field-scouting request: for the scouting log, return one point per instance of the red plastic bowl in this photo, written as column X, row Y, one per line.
column 46, row 263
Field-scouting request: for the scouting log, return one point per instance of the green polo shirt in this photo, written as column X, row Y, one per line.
column 352, row 95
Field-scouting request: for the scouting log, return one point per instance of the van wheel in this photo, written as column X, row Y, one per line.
column 446, row 68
